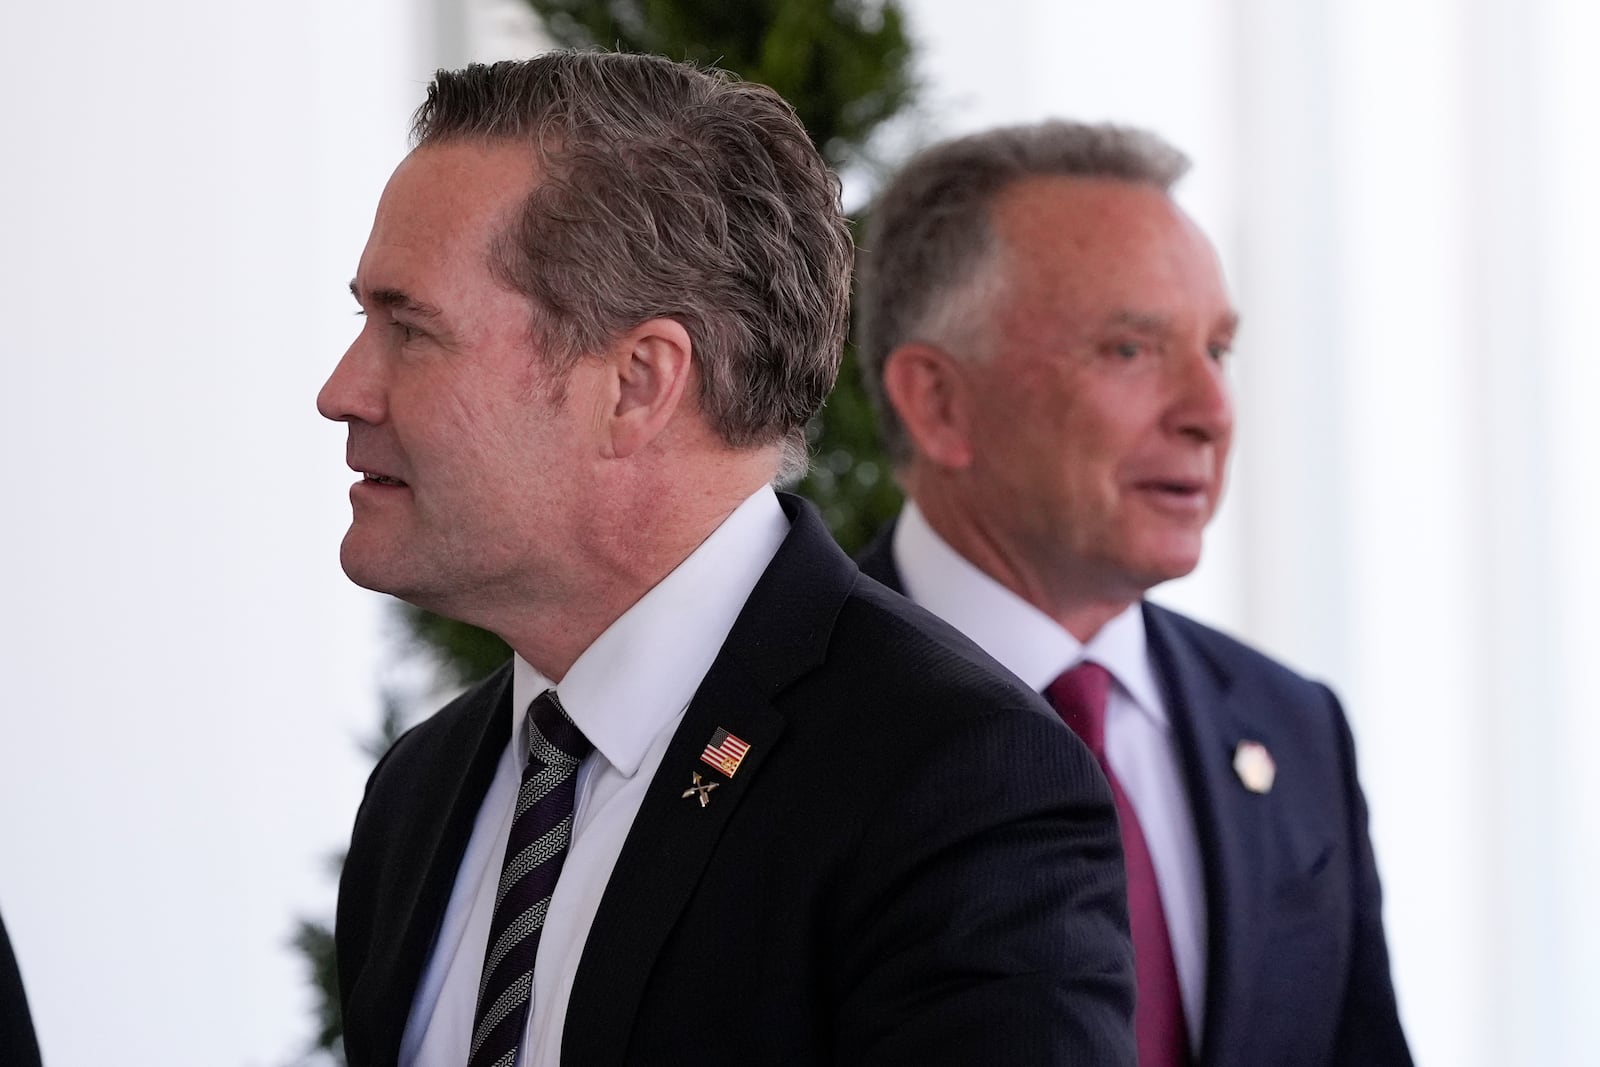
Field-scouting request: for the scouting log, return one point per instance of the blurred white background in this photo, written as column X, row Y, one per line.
column 1402, row 194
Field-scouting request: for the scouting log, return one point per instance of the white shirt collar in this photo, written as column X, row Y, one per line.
column 640, row 673
column 1026, row 641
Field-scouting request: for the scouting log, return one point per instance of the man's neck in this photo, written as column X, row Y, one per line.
column 1077, row 603
column 646, row 534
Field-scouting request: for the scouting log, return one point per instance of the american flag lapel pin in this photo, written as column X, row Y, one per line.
column 724, row 752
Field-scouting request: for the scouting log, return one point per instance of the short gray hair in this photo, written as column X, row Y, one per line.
column 929, row 261
column 668, row 191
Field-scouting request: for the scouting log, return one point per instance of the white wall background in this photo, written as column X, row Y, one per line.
column 183, row 669
column 1402, row 192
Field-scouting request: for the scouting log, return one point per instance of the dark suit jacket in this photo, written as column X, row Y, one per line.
column 18, row 1046
column 915, row 864
column 1299, row 968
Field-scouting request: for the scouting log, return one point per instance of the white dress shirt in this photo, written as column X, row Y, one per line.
column 1139, row 742
column 627, row 692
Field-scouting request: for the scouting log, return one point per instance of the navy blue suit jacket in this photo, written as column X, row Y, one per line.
column 916, row 863
column 1299, row 967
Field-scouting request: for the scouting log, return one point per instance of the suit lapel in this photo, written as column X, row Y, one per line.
column 1231, row 822
column 422, row 876
column 781, row 634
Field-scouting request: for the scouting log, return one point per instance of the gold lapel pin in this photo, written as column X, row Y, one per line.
column 1253, row 764
column 701, row 791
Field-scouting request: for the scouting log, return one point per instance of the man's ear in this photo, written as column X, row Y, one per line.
column 929, row 393
column 651, row 366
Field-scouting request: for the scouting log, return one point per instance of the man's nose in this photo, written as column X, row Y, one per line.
column 354, row 391
column 1202, row 405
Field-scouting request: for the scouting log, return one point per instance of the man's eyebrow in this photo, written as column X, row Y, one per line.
column 1143, row 321
column 1146, row 322
column 396, row 300
column 1230, row 324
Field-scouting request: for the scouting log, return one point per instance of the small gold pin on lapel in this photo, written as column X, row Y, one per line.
column 701, row 791
column 1253, row 764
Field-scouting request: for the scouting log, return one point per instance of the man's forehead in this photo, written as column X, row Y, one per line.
column 1084, row 255
column 1050, row 208
column 1104, row 221
column 442, row 189
column 439, row 216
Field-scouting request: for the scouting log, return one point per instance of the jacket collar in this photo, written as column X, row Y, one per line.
column 781, row 635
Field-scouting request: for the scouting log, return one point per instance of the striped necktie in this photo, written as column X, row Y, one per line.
column 540, row 833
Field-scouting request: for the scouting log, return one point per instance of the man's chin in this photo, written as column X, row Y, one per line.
column 1167, row 567
column 370, row 568
column 1155, row 560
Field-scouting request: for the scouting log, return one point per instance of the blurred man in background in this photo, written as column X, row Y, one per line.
column 1046, row 333
column 729, row 803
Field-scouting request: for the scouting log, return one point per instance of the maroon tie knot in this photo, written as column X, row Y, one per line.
column 1079, row 697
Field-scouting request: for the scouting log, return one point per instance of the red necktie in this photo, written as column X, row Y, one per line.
column 1079, row 697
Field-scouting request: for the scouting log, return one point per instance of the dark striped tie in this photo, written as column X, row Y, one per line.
column 540, row 832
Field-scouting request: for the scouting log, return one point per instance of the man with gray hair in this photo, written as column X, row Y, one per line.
column 728, row 803
column 1045, row 334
